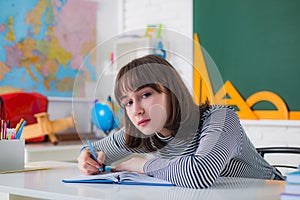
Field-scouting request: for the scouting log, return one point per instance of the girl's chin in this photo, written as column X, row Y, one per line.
column 151, row 131
column 148, row 132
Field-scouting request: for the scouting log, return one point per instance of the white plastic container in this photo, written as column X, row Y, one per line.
column 12, row 155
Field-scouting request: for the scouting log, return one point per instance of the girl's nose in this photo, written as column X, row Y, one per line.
column 138, row 109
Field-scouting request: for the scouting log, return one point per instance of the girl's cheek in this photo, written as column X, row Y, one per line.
column 158, row 115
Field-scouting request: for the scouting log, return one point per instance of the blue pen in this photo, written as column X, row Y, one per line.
column 19, row 133
column 93, row 153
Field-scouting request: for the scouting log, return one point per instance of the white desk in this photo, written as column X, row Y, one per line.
column 46, row 184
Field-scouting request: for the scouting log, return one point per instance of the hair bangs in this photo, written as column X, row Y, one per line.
column 134, row 78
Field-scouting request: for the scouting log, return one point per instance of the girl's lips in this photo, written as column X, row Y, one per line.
column 143, row 122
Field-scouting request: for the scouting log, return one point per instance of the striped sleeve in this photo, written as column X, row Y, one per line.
column 219, row 141
column 114, row 147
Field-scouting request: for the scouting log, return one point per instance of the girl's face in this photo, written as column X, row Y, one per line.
column 147, row 110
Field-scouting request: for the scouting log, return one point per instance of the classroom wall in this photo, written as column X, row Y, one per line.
column 176, row 20
column 125, row 16
column 176, row 14
column 236, row 34
column 256, row 47
column 173, row 14
column 108, row 11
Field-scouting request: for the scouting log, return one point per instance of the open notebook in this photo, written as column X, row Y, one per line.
column 124, row 177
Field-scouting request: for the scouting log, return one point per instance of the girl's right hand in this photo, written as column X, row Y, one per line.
column 87, row 165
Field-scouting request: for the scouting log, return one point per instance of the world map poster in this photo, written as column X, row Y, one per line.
column 44, row 45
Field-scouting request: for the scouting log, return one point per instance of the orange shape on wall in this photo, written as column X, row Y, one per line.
column 229, row 95
column 281, row 113
column 202, row 84
column 234, row 98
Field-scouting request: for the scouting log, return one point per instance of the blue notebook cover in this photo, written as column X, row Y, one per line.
column 124, row 178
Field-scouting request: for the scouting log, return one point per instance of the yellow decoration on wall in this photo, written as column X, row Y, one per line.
column 281, row 113
column 235, row 99
column 294, row 115
column 229, row 95
column 202, row 84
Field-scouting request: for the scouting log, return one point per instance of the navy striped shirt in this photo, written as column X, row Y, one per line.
column 220, row 148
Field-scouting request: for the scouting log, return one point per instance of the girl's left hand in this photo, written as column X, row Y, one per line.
column 134, row 164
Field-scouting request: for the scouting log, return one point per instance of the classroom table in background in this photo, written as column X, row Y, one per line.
column 47, row 184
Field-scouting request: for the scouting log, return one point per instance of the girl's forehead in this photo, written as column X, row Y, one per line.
column 133, row 91
column 126, row 88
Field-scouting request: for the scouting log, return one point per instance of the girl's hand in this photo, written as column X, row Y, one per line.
column 134, row 164
column 87, row 165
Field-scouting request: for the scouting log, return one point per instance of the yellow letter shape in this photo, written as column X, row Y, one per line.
column 281, row 113
column 202, row 84
column 245, row 111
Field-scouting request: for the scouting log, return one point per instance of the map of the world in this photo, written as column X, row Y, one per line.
column 44, row 45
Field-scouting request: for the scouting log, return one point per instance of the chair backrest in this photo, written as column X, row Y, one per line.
column 282, row 150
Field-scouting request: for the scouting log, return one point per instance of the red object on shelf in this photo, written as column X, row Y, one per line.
column 24, row 105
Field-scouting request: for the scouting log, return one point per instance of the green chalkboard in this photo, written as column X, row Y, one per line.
column 254, row 43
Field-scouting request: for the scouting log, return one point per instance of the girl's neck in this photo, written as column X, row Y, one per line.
column 164, row 132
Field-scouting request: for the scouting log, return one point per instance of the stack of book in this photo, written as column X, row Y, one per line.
column 292, row 186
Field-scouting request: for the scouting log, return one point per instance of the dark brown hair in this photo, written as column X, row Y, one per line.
column 157, row 73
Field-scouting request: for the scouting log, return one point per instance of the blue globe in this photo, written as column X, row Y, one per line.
column 106, row 116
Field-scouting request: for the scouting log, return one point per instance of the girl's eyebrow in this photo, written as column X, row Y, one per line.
column 138, row 89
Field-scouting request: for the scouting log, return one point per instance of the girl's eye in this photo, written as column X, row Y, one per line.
column 145, row 95
column 128, row 103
